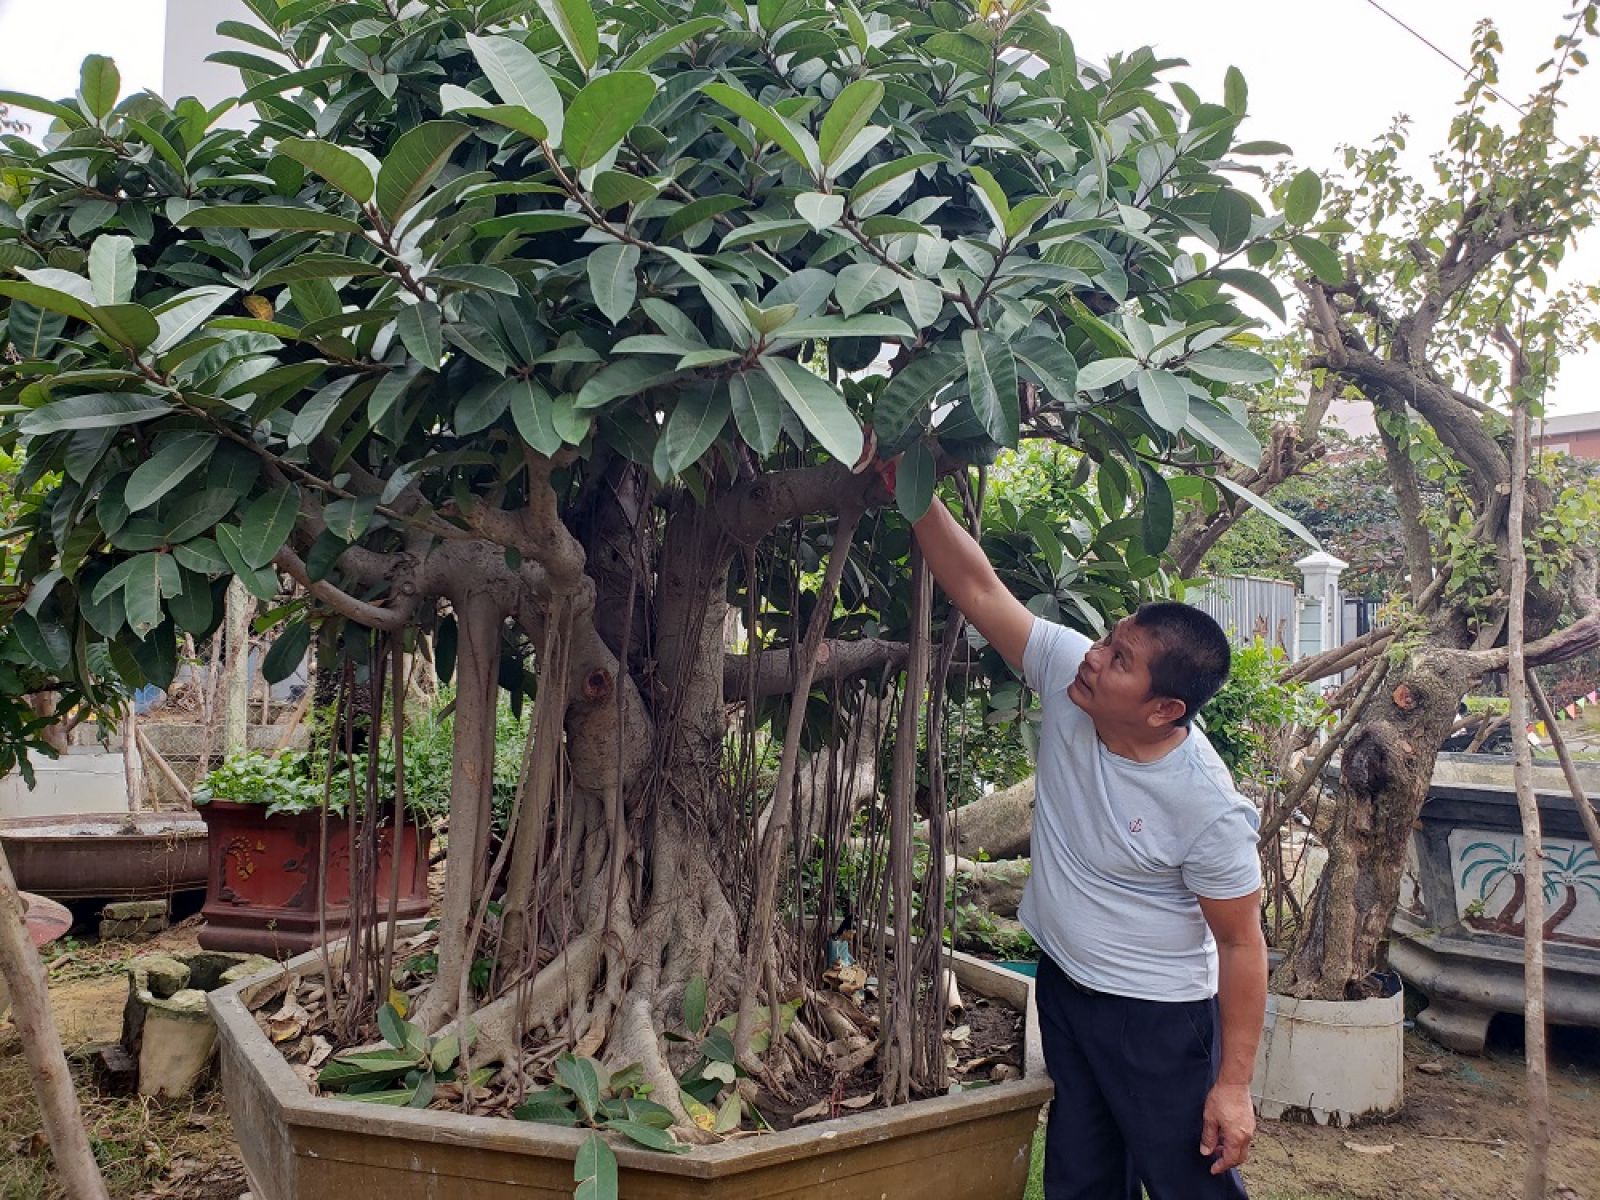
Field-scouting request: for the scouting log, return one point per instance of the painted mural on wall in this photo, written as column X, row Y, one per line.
column 1491, row 888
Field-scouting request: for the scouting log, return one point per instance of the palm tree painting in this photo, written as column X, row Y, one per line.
column 1570, row 869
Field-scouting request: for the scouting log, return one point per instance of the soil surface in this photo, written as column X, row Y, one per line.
column 1460, row 1136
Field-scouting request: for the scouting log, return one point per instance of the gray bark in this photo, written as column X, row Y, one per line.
column 998, row 826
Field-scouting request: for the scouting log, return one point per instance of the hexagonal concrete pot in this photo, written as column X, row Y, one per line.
column 972, row 1146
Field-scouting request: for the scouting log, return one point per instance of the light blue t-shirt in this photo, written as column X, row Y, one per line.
column 1122, row 849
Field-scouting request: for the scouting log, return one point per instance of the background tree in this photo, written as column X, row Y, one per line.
column 503, row 328
column 1442, row 317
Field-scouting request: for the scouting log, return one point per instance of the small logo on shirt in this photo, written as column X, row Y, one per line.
column 1136, row 825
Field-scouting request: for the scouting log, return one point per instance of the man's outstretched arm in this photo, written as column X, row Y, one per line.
column 964, row 572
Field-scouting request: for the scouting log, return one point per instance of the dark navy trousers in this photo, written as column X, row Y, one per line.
column 1131, row 1082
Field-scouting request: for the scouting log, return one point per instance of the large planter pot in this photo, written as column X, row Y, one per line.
column 1331, row 1062
column 1458, row 930
column 105, row 855
column 264, row 877
column 970, row 1146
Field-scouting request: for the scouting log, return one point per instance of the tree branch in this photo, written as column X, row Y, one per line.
column 753, row 509
column 836, row 659
column 359, row 611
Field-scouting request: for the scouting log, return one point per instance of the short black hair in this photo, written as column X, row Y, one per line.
column 1192, row 655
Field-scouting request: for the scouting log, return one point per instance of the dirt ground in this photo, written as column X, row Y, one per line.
column 147, row 1151
column 1459, row 1138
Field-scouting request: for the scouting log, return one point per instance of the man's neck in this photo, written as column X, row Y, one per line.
column 1130, row 745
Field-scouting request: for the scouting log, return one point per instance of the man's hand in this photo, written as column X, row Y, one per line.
column 1230, row 1125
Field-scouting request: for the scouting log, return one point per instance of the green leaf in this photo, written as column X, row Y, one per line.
column 904, row 404
column 1165, row 399
column 315, row 414
column 757, row 409
column 453, row 99
column 141, row 594
column 694, row 423
column 372, row 1066
column 112, row 269
column 1105, row 372
column 1227, row 365
column 595, row 1170
column 541, row 221
column 67, row 282
column 788, row 136
column 694, row 1004
column 283, row 659
column 348, row 519
column 532, row 412
column 420, row 333
column 913, row 481
column 1157, row 516
column 97, row 410
column 612, row 279
column 318, row 266
column 1229, row 219
column 1261, row 505
column 520, row 79
column 1257, row 286
column 1235, row 94
column 1047, row 363
column 992, row 196
column 667, row 41
column 1322, row 258
column 187, row 312
column 574, row 21
column 1304, row 198
column 346, row 171
column 849, row 113
column 202, row 556
column 99, row 84
column 267, row 523
column 579, row 1075
column 820, row 409
column 601, row 115
column 199, row 513
column 70, row 117
column 414, row 163
column 266, row 216
column 863, row 284
column 821, row 210
column 176, row 456
column 131, row 325
column 992, row 384
column 647, row 1136
column 193, row 609
column 721, row 300
column 1219, row 429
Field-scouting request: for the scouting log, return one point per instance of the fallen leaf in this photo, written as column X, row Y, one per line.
column 960, row 1033
column 818, row 1110
column 321, row 1048
column 1431, row 1068
column 1359, row 1148
column 859, row 1101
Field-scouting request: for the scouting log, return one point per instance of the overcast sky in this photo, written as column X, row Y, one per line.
column 1320, row 74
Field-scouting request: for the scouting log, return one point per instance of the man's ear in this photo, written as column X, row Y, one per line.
column 1165, row 712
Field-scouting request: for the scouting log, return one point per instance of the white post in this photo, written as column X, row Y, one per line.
column 1320, row 575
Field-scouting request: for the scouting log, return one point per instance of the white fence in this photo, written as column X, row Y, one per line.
column 1249, row 607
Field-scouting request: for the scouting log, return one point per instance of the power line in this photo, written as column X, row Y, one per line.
column 1465, row 70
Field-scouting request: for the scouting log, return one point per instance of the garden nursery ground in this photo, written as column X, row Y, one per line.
column 1458, row 1138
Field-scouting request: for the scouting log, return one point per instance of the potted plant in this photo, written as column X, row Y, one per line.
column 564, row 332
column 275, row 883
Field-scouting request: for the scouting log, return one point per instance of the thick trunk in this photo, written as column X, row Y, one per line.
column 997, row 826
column 1384, row 774
column 24, row 977
column 236, row 675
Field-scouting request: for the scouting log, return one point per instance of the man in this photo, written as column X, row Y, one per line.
column 1144, row 896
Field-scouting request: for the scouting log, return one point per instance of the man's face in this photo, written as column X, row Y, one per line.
column 1113, row 682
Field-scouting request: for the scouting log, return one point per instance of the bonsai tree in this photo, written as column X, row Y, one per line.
column 556, row 338
column 1444, row 318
